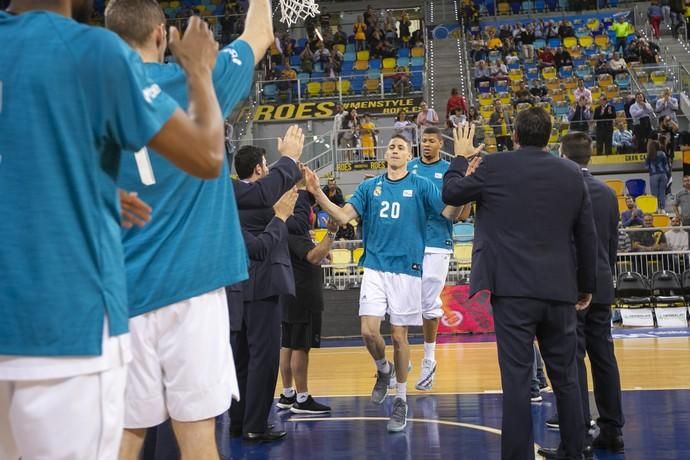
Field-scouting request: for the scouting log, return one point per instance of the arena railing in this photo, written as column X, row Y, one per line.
column 341, row 87
column 349, row 148
column 538, row 8
column 317, row 152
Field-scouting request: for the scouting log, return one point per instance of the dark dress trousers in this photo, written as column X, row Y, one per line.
column 594, row 323
column 535, row 250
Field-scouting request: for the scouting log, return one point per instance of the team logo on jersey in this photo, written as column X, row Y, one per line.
column 407, row 193
column 377, row 191
column 416, row 267
column 233, row 55
column 151, row 92
column 438, row 175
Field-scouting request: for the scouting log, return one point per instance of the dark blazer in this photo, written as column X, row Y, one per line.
column 263, row 193
column 605, row 209
column 531, row 206
column 605, row 117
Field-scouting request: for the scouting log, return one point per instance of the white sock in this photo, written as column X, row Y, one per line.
column 302, row 397
column 288, row 392
column 382, row 365
column 430, row 351
column 401, row 390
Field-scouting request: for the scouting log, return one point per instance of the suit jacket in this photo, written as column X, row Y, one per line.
column 531, row 206
column 605, row 209
column 604, row 116
column 264, row 192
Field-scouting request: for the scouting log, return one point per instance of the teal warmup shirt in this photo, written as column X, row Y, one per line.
column 72, row 98
column 394, row 216
column 439, row 230
column 193, row 243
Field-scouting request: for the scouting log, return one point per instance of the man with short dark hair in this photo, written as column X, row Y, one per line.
column 681, row 204
column 594, row 323
column 632, row 217
column 333, row 192
column 604, row 115
column 539, row 274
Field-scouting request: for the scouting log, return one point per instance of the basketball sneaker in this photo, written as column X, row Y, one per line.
column 286, row 403
column 426, row 379
column 309, row 407
column 383, row 379
column 398, row 419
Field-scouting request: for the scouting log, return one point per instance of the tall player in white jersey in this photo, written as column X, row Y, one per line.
column 437, row 252
column 394, row 208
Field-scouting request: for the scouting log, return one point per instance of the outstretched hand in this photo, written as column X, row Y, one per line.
column 463, row 137
column 292, row 143
column 196, row 50
column 312, row 180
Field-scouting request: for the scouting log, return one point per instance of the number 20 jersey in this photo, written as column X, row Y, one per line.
column 394, row 216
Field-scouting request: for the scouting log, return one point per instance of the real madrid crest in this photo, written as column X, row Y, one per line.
column 377, row 191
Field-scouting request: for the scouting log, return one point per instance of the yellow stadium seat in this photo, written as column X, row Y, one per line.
column 617, row 186
column 504, row 98
column 389, row 63
column 586, row 41
column 661, row 220
column 371, row 86
column 343, row 86
column 503, row 8
column 486, row 100
column 361, row 65
column 602, row 41
column 593, row 24
column 596, row 92
column 552, row 84
column 621, row 204
column 642, row 76
column 340, row 47
column 549, row 73
column 328, row 88
column 569, row 42
column 319, row 234
column 545, row 105
column 575, row 51
column 313, row 89
column 569, row 83
column 462, row 252
column 604, row 80
column 341, row 257
column 357, row 254
column 200, row 8
column 175, row 4
column 658, row 77
column 648, row 204
column 611, row 92
column 417, row 52
column 363, row 55
column 515, row 75
column 486, row 112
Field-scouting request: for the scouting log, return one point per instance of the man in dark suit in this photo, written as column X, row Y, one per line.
column 255, row 313
column 604, row 115
column 594, row 323
column 535, row 250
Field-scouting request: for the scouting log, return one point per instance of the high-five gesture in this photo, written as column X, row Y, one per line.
column 292, row 143
column 312, row 180
column 463, row 137
column 197, row 50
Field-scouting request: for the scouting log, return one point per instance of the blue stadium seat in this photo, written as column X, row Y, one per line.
column 403, row 62
column 403, row 52
column 374, row 64
column 357, row 84
column 554, row 42
column 295, row 60
column 417, row 61
column 635, row 187
column 270, row 91
column 539, row 43
column 350, row 56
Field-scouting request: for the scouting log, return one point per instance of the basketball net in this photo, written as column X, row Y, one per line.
column 296, row 10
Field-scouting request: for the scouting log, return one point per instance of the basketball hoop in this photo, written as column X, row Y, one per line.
column 296, row 10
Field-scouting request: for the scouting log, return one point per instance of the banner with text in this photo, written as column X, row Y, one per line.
column 326, row 109
column 464, row 314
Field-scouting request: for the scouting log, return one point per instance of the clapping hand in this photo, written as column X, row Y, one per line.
column 463, row 137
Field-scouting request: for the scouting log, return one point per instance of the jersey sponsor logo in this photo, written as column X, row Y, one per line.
column 407, row 193
column 416, row 267
column 438, row 175
column 377, row 191
column 234, row 55
column 151, row 92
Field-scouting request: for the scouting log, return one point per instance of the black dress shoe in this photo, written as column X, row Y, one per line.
column 611, row 443
column 548, row 452
column 236, row 432
column 266, row 436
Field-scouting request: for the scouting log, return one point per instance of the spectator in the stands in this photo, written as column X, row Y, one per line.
column 455, row 101
column 369, row 16
column 404, row 25
column 581, row 92
column 622, row 29
column 623, row 138
column 322, row 54
column 337, row 59
column 677, row 16
column 603, row 116
column 667, row 105
column 601, row 66
column 359, row 29
column 404, row 126
column 333, row 192
column 566, row 29
column 340, row 37
column 478, row 51
column 426, row 117
column 482, row 73
column 655, row 16
column 538, row 90
column 473, row 116
column 641, row 112
column 522, row 94
column 659, row 171
column 457, row 118
column 681, row 205
column 651, row 239
column 668, row 129
column 374, row 40
column 338, row 115
column 624, row 243
column 287, row 77
column 494, row 43
column 676, row 238
column 527, row 36
column 504, row 32
column 501, row 123
column 552, row 31
column 350, row 131
column 306, row 60
column 498, row 70
column 546, row 57
column 579, row 115
column 387, row 50
column 629, row 101
column 417, row 39
column 647, row 54
column 562, row 58
column 617, row 64
column 633, row 216
column 367, row 137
